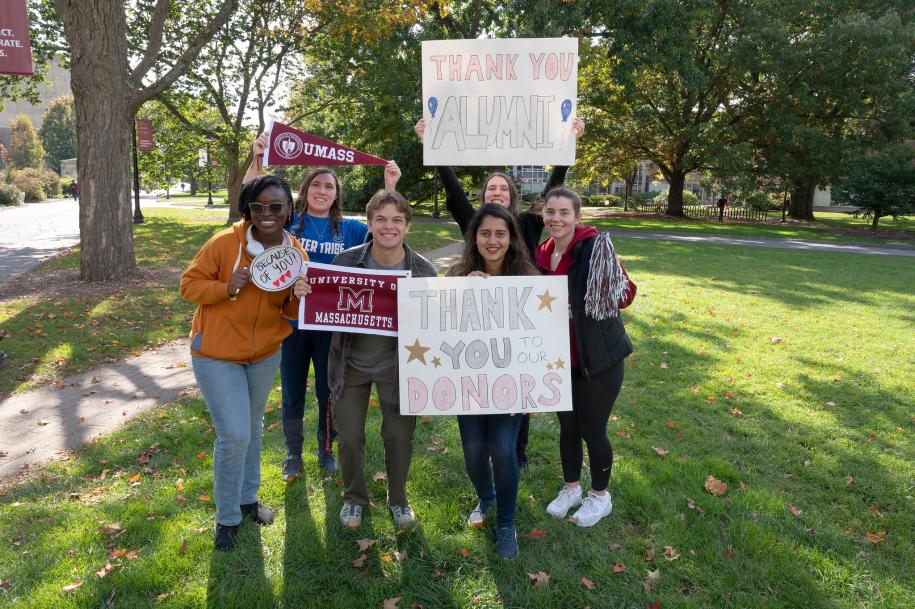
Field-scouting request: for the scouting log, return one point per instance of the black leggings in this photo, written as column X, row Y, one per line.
column 592, row 402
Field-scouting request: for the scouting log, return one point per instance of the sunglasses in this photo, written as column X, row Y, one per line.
column 260, row 208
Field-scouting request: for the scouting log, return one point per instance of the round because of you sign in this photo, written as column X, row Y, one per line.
column 276, row 268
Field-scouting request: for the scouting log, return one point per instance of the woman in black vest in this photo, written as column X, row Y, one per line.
column 598, row 288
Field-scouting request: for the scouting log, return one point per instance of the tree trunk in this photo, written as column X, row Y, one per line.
column 192, row 184
column 801, row 207
column 233, row 186
column 104, row 114
column 676, row 180
column 875, row 220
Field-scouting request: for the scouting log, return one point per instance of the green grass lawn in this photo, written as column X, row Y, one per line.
column 826, row 228
column 787, row 378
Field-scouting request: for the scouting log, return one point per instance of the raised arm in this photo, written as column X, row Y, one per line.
column 256, row 167
column 456, row 201
column 558, row 176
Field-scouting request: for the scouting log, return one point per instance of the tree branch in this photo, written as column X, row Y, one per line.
column 156, row 26
column 184, row 61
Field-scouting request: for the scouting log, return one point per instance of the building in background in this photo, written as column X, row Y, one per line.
column 55, row 84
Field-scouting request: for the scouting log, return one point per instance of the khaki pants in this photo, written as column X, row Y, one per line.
column 396, row 433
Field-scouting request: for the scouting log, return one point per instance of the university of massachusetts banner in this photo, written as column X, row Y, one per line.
column 290, row 146
column 345, row 299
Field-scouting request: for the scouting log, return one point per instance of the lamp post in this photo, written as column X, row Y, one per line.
column 209, row 138
column 137, row 214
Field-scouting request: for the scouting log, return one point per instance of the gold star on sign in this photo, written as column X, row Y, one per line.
column 549, row 365
column 417, row 351
column 560, row 363
column 546, row 301
column 436, row 361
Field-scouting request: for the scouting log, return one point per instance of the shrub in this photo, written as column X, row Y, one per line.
column 689, row 197
column 641, row 197
column 759, row 200
column 28, row 181
column 603, row 201
column 10, row 195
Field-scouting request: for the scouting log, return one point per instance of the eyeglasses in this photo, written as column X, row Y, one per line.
column 274, row 206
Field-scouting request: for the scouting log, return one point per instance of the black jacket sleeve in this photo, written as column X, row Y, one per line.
column 557, row 178
column 456, row 201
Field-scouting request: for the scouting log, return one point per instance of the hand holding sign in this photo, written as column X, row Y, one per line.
column 240, row 279
column 276, row 268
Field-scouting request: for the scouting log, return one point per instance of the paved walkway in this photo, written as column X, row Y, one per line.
column 781, row 244
column 45, row 423
column 33, row 232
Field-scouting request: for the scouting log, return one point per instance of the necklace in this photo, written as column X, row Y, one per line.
column 322, row 234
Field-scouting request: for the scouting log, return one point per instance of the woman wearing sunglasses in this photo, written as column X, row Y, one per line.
column 318, row 223
column 235, row 346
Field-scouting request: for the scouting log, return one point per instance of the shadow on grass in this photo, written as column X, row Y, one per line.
column 237, row 578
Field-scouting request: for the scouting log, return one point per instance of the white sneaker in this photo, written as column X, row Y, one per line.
column 593, row 508
column 567, row 498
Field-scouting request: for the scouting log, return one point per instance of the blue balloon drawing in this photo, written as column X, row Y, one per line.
column 565, row 108
column 433, row 105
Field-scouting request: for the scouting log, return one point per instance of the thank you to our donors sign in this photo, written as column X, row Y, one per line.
column 475, row 345
column 499, row 102
column 346, row 299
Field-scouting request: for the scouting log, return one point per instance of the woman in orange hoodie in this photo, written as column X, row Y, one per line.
column 236, row 336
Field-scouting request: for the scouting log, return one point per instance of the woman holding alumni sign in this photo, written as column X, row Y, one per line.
column 499, row 188
column 493, row 246
column 235, row 343
column 357, row 361
column 318, row 223
column 598, row 288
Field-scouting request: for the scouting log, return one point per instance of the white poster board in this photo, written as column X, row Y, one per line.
column 499, row 102
column 483, row 345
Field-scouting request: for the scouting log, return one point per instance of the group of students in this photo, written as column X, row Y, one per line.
column 240, row 335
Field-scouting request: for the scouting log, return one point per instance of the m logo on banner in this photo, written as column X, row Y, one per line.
column 351, row 299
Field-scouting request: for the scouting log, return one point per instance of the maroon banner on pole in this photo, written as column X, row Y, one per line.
column 290, row 146
column 345, row 299
column 15, row 50
column 145, row 139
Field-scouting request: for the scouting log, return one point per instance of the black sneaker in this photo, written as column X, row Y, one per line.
column 257, row 513
column 328, row 462
column 224, row 539
column 292, row 467
column 506, row 543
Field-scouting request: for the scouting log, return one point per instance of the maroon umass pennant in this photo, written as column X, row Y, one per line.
column 346, row 299
column 288, row 146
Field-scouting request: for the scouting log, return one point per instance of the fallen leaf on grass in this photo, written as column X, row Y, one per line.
column 539, row 579
column 655, row 605
column 162, row 597
column 711, row 399
column 622, row 433
column 273, row 427
column 670, row 553
column 830, row 404
column 742, row 485
column 204, row 497
column 438, row 575
column 365, row 544
column 659, row 451
column 180, row 500
column 132, row 554
column 112, row 529
column 775, row 340
column 794, row 510
column 359, row 561
column 781, row 385
column 735, row 411
column 587, row 583
column 715, row 486
column 465, row 552
column 116, row 553
column 728, row 553
column 76, row 584
column 391, row 603
column 135, row 478
column 618, row 568
column 183, row 547
column 614, row 546
column 649, row 554
column 672, row 425
column 664, row 365
column 871, row 438
column 415, row 605
column 378, row 476
column 104, row 570
column 875, row 537
column 651, row 579
column 536, row 533
column 426, row 421
column 729, row 395
column 849, row 480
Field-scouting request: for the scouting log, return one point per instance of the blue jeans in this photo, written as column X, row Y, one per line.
column 493, row 439
column 236, row 395
column 301, row 349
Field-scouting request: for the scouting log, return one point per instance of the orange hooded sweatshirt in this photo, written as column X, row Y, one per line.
column 243, row 330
